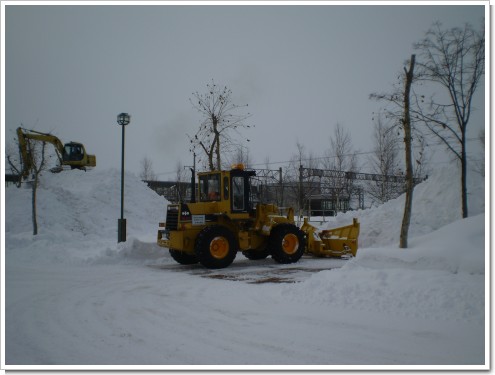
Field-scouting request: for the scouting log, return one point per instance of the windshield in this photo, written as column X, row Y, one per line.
column 72, row 152
column 238, row 193
column 209, row 187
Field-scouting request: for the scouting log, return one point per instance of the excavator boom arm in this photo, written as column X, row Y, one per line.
column 44, row 137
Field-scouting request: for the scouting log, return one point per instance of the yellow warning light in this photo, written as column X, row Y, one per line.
column 238, row 166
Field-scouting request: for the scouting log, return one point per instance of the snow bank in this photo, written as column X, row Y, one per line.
column 440, row 276
column 436, row 203
column 77, row 217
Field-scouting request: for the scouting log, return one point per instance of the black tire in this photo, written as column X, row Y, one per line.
column 183, row 258
column 257, row 254
column 216, row 247
column 286, row 243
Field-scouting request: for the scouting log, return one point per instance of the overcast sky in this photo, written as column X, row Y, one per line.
column 70, row 69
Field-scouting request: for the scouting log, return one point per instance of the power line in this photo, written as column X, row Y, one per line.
column 334, row 156
column 160, row 174
column 329, row 157
column 313, row 159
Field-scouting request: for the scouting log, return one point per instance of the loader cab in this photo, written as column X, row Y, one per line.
column 230, row 188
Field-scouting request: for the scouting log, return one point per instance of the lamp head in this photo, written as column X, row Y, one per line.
column 123, row 119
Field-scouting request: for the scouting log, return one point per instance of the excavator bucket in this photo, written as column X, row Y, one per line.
column 337, row 242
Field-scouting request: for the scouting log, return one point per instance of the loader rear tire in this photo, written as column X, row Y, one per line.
column 216, row 247
column 183, row 258
column 286, row 243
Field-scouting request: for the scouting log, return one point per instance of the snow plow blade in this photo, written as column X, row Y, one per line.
column 337, row 242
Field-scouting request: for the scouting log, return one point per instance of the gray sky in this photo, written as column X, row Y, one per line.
column 302, row 69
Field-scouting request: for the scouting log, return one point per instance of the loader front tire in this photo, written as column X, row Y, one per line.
column 286, row 243
column 215, row 247
column 183, row 258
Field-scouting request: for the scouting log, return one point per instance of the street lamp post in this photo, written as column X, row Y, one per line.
column 123, row 119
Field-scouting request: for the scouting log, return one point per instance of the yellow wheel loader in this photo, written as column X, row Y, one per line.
column 72, row 154
column 225, row 220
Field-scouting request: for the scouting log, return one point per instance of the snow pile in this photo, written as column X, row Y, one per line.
column 436, row 203
column 77, row 217
column 440, row 276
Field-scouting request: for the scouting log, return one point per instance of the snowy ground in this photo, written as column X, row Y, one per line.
column 74, row 297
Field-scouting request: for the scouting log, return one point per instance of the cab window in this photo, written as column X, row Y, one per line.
column 238, row 193
column 225, row 188
column 73, row 152
column 209, row 186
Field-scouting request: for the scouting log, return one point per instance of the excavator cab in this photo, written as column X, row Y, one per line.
column 73, row 152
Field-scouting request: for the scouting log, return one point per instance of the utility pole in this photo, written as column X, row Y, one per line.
column 301, row 195
column 193, row 179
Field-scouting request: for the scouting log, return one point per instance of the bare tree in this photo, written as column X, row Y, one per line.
column 384, row 160
column 37, row 152
column 455, row 60
column 341, row 157
column 399, row 112
column 421, row 156
column 242, row 156
column 15, row 163
column 297, row 187
column 480, row 164
column 14, row 158
column 220, row 119
column 267, row 162
column 147, row 172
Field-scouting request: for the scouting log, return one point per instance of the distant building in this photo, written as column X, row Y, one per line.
column 327, row 204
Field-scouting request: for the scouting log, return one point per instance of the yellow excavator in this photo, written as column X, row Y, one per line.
column 226, row 220
column 72, row 154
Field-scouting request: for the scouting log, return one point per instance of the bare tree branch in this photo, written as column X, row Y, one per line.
column 220, row 119
column 455, row 60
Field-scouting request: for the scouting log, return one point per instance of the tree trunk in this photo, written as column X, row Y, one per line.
column 409, row 167
column 34, row 189
column 464, row 177
column 216, row 141
column 219, row 162
column 210, row 157
column 36, row 171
